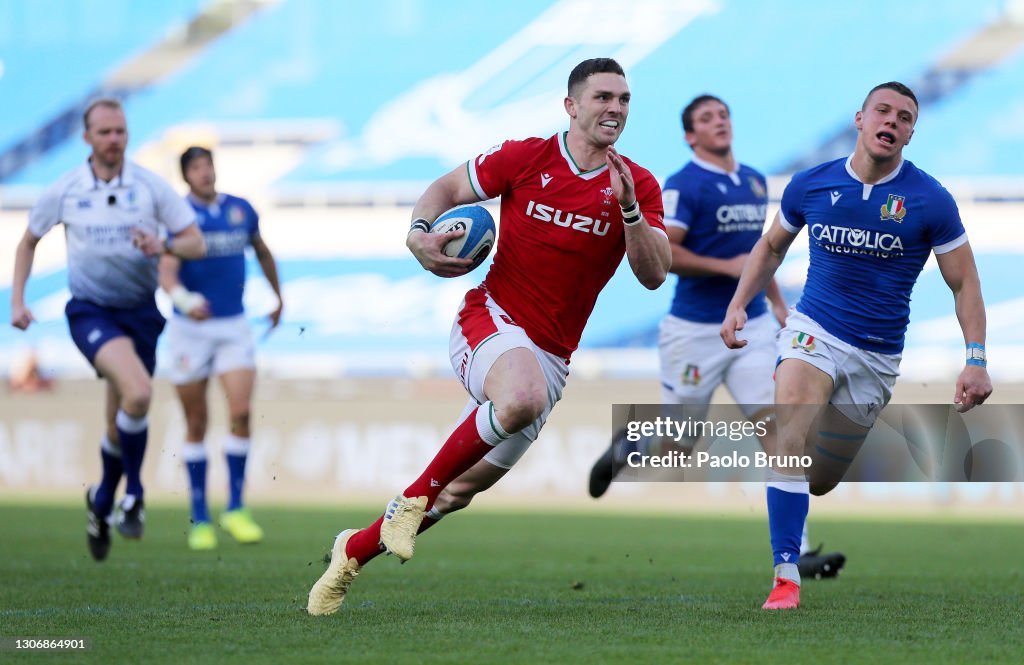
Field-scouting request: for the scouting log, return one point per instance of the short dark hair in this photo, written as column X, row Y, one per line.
column 692, row 106
column 109, row 102
column 581, row 72
column 895, row 86
column 192, row 153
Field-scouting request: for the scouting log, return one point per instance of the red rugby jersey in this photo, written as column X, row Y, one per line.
column 561, row 236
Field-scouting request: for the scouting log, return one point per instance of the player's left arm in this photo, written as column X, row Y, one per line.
column 961, row 274
column 269, row 267
column 647, row 248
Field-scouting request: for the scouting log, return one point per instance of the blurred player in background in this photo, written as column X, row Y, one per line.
column 26, row 377
column 571, row 206
column 873, row 220
column 209, row 336
column 715, row 210
column 115, row 214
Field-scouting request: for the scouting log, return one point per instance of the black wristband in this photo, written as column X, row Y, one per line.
column 631, row 214
column 421, row 224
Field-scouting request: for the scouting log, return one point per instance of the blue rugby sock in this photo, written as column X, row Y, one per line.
column 236, row 449
column 194, row 455
column 103, row 499
column 788, row 502
column 133, row 433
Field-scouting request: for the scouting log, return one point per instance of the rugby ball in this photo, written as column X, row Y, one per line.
column 480, row 235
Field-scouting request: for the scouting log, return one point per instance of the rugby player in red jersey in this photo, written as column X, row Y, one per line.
column 571, row 207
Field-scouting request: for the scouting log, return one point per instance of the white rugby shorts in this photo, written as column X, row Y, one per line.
column 695, row 361
column 201, row 349
column 862, row 380
column 482, row 332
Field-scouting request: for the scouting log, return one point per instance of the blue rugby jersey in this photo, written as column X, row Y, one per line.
column 868, row 244
column 229, row 225
column 723, row 214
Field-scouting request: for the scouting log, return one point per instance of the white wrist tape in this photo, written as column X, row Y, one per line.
column 186, row 300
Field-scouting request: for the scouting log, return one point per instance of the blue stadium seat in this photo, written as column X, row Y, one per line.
column 55, row 52
column 792, row 77
column 978, row 131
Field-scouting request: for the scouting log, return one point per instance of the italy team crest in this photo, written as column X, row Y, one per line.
column 894, row 208
column 691, row 375
column 757, row 188
column 804, row 341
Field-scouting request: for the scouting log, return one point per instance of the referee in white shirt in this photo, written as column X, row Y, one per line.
column 112, row 211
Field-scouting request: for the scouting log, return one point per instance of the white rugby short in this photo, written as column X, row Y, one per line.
column 862, row 380
column 695, row 361
column 481, row 333
column 201, row 349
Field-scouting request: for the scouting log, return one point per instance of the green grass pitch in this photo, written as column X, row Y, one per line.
column 495, row 587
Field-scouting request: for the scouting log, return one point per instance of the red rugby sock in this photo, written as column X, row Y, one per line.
column 464, row 448
column 365, row 545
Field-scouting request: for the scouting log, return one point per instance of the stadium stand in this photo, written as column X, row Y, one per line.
column 407, row 117
column 327, row 115
column 978, row 57
column 55, row 55
column 991, row 106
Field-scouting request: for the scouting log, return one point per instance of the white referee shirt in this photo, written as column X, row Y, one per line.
column 103, row 266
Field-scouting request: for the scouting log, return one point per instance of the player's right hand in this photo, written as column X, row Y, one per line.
column 21, row 316
column 426, row 247
column 735, row 319
column 147, row 243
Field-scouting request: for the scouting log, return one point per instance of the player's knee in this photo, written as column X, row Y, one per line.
column 240, row 423
column 524, row 407
column 788, row 443
column 135, row 400
column 196, row 424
